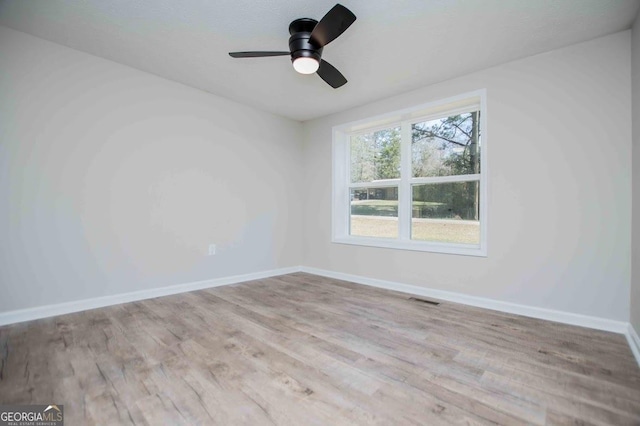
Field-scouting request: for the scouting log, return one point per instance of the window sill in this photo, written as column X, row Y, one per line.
column 459, row 249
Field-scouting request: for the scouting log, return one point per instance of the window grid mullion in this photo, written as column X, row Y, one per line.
column 347, row 179
column 375, row 184
column 404, row 189
column 445, row 179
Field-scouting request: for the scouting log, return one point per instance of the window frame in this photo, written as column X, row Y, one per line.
column 341, row 184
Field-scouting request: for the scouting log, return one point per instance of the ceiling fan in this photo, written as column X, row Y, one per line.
column 308, row 38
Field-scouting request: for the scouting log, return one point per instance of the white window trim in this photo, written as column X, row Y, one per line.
column 341, row 185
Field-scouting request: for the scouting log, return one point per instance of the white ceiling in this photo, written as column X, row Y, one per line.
column 393, row 47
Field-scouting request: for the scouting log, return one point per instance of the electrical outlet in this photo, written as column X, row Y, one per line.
column 212, row 249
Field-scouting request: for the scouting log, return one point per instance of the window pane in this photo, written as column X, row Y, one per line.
column 446, row 146
column 374, row 212
column 446, row 212
column 375, row 155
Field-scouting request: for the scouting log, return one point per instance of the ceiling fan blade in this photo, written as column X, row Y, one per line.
column 331, row 75
column 257, row 54
column 334, row 23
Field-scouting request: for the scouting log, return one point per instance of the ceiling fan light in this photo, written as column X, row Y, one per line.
column 306, row 65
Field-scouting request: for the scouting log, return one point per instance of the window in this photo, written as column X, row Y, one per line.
column 414, row 179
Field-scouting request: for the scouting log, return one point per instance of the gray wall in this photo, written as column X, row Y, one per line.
column 113, row 180
column 559, row 153
column 635, row 275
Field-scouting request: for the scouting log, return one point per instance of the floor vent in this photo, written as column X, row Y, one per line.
column 429, row 302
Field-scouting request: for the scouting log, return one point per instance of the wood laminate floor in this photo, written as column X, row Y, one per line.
column 305, row 350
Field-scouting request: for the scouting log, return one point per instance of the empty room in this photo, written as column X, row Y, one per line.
column 419, row 212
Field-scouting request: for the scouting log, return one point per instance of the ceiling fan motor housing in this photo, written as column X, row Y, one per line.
column 299, row 42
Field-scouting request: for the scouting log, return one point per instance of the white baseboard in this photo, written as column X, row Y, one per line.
column 481, row 302
column 39, row 312
column 634, row 342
